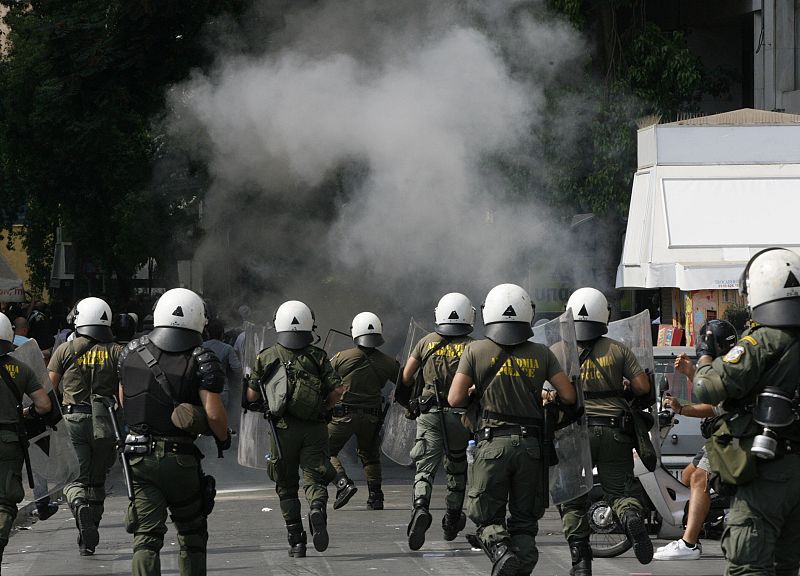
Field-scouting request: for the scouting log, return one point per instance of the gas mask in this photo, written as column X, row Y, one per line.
column 773, row 410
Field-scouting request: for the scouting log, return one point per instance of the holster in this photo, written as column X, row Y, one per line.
column 208, row 491
column 424, row 406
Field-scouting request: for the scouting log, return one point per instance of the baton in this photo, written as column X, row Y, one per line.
column 268, row 417
column 126, row 466
column 442, row 419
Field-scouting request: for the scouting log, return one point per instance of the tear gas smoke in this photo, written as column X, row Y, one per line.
column 376, row 157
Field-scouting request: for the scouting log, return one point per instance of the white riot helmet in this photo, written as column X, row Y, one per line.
column 294, row 323
column 6, row 335
column 178, row 320
column 455, row 315
column 590, row 312
column 367, row 330
column 507, row 315
column 93, row 319
column 771, row 282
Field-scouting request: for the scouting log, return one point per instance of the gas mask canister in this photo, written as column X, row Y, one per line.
column 773, row 410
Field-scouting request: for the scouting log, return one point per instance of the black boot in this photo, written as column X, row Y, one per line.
column 636, row 530
column 375, row 500
column 345, row 489
column 88, row 536
column 581, row 554
column 45, row 508
column 504, row 561
column 453, row 522
column 297, row 540
column 420, row 522
column 318, row 522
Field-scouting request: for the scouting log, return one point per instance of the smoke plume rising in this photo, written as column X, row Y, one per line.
column 376, row 157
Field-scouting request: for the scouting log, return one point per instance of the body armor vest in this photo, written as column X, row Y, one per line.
column 147, row 407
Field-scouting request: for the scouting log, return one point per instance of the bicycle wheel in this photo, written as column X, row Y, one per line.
column 607, row 538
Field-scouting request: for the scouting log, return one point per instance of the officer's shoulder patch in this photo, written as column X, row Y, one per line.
column 750, row 340
column 734, row 355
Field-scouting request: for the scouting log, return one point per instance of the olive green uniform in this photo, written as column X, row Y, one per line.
column 763, row 531
column 363, row 371
column 611, row 446
column 166, row 474
column 508, row 468
column 88, row 368
column 11, row 456
column 429, row 449
column 304, row 441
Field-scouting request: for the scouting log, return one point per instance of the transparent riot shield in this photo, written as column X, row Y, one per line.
column 255, row 442
column 572, row 476
column 635, row 333
column 400, row 432
column 53, row 459
column 336, row 341
column 257, row 447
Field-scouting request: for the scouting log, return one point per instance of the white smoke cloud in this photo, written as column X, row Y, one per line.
column 376, row 144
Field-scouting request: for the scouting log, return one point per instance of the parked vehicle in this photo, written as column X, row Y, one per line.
column 666, row 497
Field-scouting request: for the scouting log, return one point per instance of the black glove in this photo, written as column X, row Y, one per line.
column 402, row 394
column 223, row 445
column 569, row 413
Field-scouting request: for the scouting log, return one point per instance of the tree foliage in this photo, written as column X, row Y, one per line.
column 638, row 70
column 81, row 89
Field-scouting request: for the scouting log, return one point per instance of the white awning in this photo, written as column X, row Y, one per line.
column 11, row 287
column 695, row 227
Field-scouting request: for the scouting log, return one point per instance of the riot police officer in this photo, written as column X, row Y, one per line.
column 314, row 389
column 508, row 372
column 11, row 451
column 604, row 365
column 437, row 355
column 364, row 370
column 86, row 368
column 171, row 389
column 758, row 380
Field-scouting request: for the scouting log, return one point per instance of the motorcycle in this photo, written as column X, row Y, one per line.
column 667, row 502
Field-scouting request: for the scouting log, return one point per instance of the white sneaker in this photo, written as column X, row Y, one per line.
column 678, row 550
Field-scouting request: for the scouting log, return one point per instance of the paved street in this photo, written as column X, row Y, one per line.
column 247, row 536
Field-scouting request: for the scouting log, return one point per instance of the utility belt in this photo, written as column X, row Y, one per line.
column 76, row 408
column 142, row 444
column 623, row 422
column 10, row 427
column 429, row 406
column 344, row 409
column 500, row 431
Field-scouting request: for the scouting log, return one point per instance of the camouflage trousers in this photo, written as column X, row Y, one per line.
column 95, row 458
column 428, row 454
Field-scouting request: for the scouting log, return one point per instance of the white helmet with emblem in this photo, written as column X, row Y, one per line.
column 294, row 323
column 590, row 312
column 771, row 282
column 455, row 315
column 367, row 330
column 93, row 319
column 6, row 335
column 178, row 320
column 507, row 314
